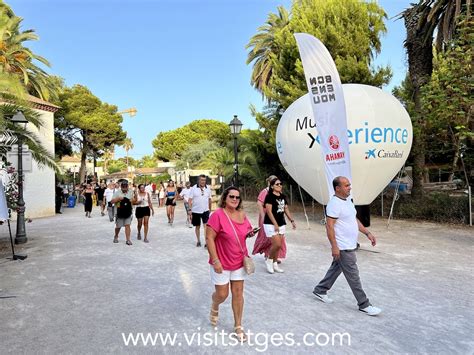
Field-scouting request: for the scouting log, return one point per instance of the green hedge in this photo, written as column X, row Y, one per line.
column 438, row 207
column 150, row 179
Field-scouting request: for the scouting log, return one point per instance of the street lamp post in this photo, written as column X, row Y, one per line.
column 235, row 128
column 20, row 237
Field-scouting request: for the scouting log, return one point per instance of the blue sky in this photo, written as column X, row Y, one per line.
column 174, row 60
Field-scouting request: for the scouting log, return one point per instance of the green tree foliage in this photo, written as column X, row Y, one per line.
column 208, row 154
column 422, row 20
column 131, row 161
column 148, row 161
column 106, row 158
column 20, row 61
column 170, row 145
column 195, row 154
column 142, row 179
column 219, row 161
column 447, row 98
column 264, row 49
column 98, row 124
column 127, row 145
column 350, row 30
column 17, row 74
column 40, row 154
column 114, row 166
column 63, row 130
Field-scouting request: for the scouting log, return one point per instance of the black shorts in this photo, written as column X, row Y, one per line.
column 170, row 202
column 141, row 212
column 197, row 217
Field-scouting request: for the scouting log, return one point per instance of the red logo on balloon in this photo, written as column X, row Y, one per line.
column 334, row 142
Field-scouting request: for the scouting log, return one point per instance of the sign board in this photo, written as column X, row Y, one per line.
column 3, row 204
column 12, row 158
column 14, row 148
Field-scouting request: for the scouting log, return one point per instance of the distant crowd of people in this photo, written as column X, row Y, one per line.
column 112, row 199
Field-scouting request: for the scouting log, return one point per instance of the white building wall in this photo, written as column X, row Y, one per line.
column 39, row 188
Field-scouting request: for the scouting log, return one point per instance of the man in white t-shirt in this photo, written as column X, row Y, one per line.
column 343, row 228
column 149, row 189
column 199, row 204
column 184, row 195
column 108, row 195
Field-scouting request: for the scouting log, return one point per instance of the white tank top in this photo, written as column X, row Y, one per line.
column 142, row 200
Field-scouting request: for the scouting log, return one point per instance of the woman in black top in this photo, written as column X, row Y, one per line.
column 274, row 222
column 88, row 191
column 99, row 191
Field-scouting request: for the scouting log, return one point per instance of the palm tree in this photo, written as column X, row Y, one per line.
column 421, row 20
column 13, row 94
column 38, row 152
column 263, row 48
column 127, row 145
column 220, row 161
column 20, row 61
column 250, row 168
column 106, row 157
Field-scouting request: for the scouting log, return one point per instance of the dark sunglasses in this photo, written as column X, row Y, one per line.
column 233, row 197
column 278, row 184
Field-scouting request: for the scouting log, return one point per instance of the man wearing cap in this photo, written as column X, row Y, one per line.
column 123, row 199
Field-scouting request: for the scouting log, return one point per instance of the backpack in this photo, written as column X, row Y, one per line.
column 124, row 209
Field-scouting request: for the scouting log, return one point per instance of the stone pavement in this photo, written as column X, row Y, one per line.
column 77, row 292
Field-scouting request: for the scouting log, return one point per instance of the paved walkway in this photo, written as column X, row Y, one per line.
column 77, row 292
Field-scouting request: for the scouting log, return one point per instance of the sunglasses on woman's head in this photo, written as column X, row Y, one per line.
column 234, row 197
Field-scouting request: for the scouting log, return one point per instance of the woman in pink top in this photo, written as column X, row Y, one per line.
column 226, row 232
column 262, row 243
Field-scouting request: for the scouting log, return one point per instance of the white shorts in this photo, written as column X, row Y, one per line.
column 226, row 276
column 270, row 230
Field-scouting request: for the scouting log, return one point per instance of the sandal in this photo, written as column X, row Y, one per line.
column 214, row 316
column 115, row 240
column 145, row 241
column 241, row 337
column 128, row 242
column 139, row 236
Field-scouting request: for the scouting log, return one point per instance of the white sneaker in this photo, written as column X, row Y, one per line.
column 269, row 264
column 371, row 310
column 277, row 268
column 323, row 298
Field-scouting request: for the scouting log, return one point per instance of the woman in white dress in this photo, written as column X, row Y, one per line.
column 161, row 195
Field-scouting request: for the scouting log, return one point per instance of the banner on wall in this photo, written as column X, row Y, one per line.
column 328, row 106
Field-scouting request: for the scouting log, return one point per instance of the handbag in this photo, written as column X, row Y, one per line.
column 249, row 265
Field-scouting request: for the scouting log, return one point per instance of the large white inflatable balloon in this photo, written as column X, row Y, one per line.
column 380, row 137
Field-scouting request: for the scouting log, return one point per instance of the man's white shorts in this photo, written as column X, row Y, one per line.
column 270, row 230
column 226, row 276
